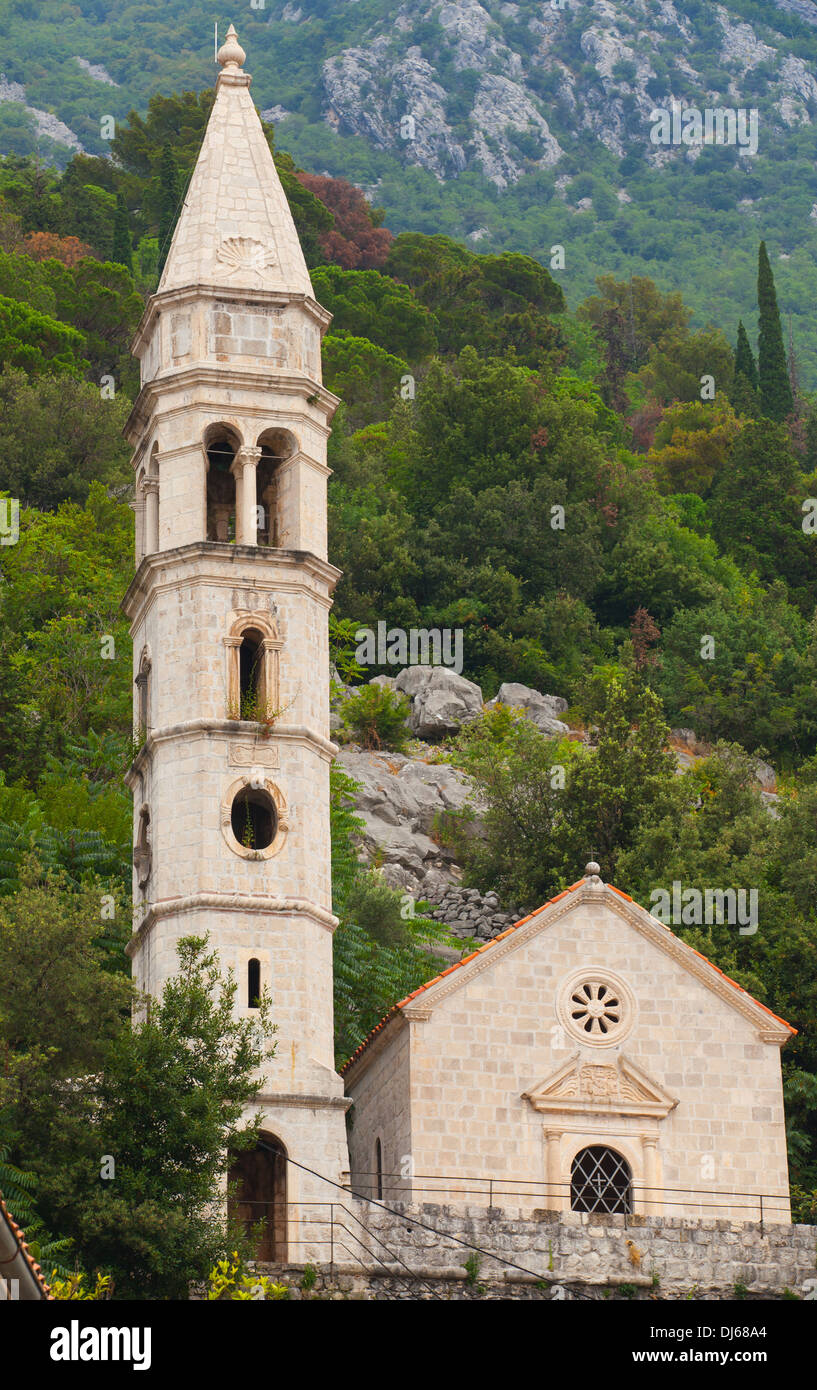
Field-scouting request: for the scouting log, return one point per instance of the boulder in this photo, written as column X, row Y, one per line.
column 441, row 701
column 765, row 775
column 542, row 710
column 398, row 800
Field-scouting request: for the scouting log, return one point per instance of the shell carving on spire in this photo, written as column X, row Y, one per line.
column 244, row 253
column 231, row 54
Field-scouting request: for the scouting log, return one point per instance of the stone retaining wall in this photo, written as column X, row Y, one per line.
column 420, row 1252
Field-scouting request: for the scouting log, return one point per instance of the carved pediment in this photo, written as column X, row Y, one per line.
column 616, row 1087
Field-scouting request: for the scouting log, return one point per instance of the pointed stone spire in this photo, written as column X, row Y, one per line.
column 235, row 228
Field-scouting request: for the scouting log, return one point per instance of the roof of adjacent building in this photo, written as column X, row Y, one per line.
column 20, row 1264
column 397, row 1008
column 235, row 229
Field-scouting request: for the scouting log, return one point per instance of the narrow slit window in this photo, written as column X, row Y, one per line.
column 253, row 984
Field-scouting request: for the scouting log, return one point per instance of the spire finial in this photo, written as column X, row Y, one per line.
column 231, row 55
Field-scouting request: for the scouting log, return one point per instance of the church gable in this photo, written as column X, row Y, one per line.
column 590, row 898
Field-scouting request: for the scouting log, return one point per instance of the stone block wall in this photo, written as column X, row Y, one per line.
column 420, row 1252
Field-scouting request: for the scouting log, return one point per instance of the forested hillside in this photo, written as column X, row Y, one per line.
column 530, row 123
column 611, row 502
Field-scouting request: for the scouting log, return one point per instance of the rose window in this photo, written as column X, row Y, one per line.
column 595, row 1008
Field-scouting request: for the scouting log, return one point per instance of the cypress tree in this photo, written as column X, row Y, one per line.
column 744, row 358
column 169, row 196
column 122, row 252
column 776, row 400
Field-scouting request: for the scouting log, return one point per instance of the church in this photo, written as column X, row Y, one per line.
column 587, row 1059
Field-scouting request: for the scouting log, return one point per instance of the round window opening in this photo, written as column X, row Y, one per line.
column 254, row 819
column 596, row 1007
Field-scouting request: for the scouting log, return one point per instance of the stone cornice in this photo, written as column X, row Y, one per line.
column 140, row 586
column 311, row 1101
column 192, row 728
column 220, row 378
column 229, row 902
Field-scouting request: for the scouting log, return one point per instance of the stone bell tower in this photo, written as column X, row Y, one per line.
column 229, row 616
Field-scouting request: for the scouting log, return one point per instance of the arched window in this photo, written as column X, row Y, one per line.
column 276, row 446
column 251, row 674
column 601, row 1180
column 378, row 1169
column 254, row 818
column 221, row 446
column 253, row 983
column 253, row 668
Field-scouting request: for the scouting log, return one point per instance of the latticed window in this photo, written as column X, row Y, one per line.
column 600, row 1180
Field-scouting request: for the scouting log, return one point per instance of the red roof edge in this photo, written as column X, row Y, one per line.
column 16, row 1231
column 395, row 1009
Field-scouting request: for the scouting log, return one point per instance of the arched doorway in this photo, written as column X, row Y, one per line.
column 601, row 1180
column 259, row 1200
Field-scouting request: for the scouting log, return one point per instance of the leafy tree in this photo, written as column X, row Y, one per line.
column 376, row 961
column 37, row 342
column 609, row 792
column 58, row 435
column 63, row 582
column 46, row 246
column 356, row 240
column 167, row 1105
column 493, row 303
column 738, row 668
column 60, row 1003
column 776, row 398
column 519, row 779
column 122, row 248
column 363, row 375
column 368, row 305
column 170, row 194
column 756, row 510
column 638, row 314
column 692, row 444
column 377, row 717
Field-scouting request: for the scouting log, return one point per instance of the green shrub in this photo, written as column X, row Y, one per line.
column 376, row 717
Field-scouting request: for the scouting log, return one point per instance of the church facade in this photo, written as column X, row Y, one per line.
column 587, row 1056
column 587, row 1060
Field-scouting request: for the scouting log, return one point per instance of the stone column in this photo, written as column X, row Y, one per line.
column 247, row 461
column 150, row 488
column 556, row 1199
column 233, row 645
column 652, row 1198
column 238, row 473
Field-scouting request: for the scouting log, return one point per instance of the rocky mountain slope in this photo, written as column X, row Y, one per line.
column 402, row 800
column 517, row 124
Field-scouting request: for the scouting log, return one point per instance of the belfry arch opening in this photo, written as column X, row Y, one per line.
column 221, row 445
column 276, row 447
column 257, row 1183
